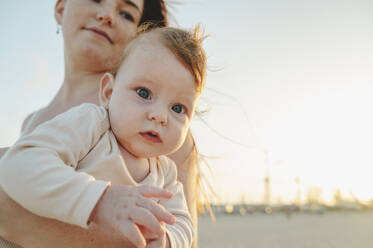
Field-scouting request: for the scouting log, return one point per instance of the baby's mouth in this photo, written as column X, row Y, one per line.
column 151, row 136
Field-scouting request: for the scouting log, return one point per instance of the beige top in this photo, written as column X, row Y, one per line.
column 61, row 169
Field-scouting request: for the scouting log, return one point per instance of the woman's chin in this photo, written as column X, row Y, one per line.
column 93, row 54
column 97, row 60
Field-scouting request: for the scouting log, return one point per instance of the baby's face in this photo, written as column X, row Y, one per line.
column 153, row 101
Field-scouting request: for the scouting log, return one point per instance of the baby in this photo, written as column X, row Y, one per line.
column 98, row 165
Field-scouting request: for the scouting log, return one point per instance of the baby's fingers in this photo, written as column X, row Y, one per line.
column 157, row 210
column 155, row 192
column 144, row 218
column 156, row 243
column 133, row 234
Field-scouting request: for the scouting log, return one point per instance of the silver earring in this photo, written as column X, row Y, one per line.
column 58, row 29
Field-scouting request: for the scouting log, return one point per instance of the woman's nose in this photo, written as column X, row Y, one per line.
column 106, row 15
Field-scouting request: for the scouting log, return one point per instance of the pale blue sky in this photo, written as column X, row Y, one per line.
column 297, row 74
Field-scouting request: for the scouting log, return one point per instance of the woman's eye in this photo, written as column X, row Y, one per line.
column 143, row 93
column 127, row 16
column 96, row 1
column 178, row 109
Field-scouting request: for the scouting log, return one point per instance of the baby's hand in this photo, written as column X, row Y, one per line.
column 123, row 208
column 153, row 240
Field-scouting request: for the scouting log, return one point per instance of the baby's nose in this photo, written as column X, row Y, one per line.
column 158, row 116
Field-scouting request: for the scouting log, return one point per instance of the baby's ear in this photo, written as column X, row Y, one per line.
column 106, row 89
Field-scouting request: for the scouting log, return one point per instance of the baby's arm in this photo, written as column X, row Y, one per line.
column 181, row 233
column 34, row 170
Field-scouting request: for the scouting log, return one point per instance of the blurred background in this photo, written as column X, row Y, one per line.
column 288, row 131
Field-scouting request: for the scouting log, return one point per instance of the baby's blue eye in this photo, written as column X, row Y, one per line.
column 178, row 108
column 143, row 93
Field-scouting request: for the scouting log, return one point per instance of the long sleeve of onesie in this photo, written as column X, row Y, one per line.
column 38, row 171
column 181, row 233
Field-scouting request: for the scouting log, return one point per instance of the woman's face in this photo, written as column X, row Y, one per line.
column 96, row 31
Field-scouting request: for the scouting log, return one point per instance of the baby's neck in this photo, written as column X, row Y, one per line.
column 139, row 168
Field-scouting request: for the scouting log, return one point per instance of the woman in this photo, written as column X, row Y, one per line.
column 95, row 32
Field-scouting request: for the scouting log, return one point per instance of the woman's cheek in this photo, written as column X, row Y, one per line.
column 124, row 34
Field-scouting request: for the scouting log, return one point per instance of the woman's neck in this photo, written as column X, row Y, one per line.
column 78, row 87
column 83, row 72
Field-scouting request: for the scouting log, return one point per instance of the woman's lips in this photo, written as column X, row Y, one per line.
column 100, row 32
column 151, row 136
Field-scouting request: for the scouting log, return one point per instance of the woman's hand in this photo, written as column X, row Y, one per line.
column 123, row 208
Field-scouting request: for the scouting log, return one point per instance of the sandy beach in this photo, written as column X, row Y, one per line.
column 330, row 230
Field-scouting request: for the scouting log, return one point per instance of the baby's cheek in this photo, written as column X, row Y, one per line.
column 182, row 135
column 178, row 133
column 185, row 129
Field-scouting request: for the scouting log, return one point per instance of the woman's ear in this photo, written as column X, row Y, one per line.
column 106, row 89
column 58, row 10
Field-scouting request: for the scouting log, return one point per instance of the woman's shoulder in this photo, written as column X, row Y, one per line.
column 50, row 112
column 2, row 151
column 27, row 122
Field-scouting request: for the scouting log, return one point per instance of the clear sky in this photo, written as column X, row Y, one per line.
column 294, row 77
